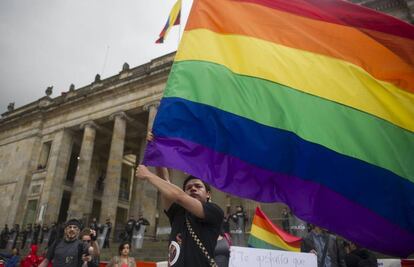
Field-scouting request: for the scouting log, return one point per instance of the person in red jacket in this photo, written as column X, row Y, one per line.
column 31, row 260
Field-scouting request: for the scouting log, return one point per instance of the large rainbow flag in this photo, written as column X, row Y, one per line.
column 307, row 102
column 264, row 234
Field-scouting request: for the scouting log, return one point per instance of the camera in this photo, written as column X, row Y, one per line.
column 85, row 248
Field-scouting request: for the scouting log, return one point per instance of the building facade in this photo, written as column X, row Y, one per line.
column 402, row 9
column 74, row 155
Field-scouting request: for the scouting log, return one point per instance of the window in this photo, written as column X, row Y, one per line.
column 31, row 208
column 124, row 189
column 44, row 155
column 73, row 163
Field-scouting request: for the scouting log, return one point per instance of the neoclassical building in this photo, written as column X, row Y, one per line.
column 402, row 9
column 74, row 155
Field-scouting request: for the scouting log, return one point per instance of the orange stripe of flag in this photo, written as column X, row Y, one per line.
column 338, row 41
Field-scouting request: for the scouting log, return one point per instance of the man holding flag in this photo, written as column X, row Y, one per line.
column 195, row 221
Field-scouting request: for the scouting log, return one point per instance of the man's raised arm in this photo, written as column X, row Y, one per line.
column 171, row 192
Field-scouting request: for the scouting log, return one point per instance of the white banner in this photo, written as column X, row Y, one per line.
column 163, row 230
column 248, row 257
column 389, row 262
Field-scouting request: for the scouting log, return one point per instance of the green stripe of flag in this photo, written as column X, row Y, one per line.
column 312, row 118
column 258, row 243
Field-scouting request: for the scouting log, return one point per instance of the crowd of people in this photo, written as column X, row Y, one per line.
column 332, row 251
column 32, row 234
column 69, row 245
column 200, row 233
column 42, row 235
column 200, row 230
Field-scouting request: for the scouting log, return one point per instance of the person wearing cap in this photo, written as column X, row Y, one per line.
column 66, row 252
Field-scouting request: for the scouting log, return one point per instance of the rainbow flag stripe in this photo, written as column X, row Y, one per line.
column 173, row 19
column 264, row 234
column 310, row 103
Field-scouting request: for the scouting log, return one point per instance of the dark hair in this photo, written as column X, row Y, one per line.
column 85, row 231
column 206, row 185
column 121, row 247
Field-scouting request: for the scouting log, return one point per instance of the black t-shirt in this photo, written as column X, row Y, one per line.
column 183, row 250
column 65, row 253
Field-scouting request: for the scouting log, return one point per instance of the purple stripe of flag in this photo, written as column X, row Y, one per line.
column 352, row 220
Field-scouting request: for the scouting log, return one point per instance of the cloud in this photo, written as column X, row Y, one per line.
column 57, row 42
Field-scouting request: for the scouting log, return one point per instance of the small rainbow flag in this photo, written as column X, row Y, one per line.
column 264, row 234
column 173, row 19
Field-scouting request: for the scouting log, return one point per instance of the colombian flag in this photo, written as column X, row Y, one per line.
column 173, row 19
column 305, row 102
column 264, row 234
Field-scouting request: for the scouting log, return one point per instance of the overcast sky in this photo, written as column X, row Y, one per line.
column 59, row 42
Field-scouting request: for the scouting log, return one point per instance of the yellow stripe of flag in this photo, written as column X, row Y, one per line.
column 326, row 77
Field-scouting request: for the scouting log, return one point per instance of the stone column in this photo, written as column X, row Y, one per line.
column 150, row 196
column 59, row 158
column 94, row 174
column 114, row 169
column 137, row 187
column 144, row 196
column 152, row 109
column 77, row 207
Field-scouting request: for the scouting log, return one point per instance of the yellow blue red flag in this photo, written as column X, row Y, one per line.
column 173, row 19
